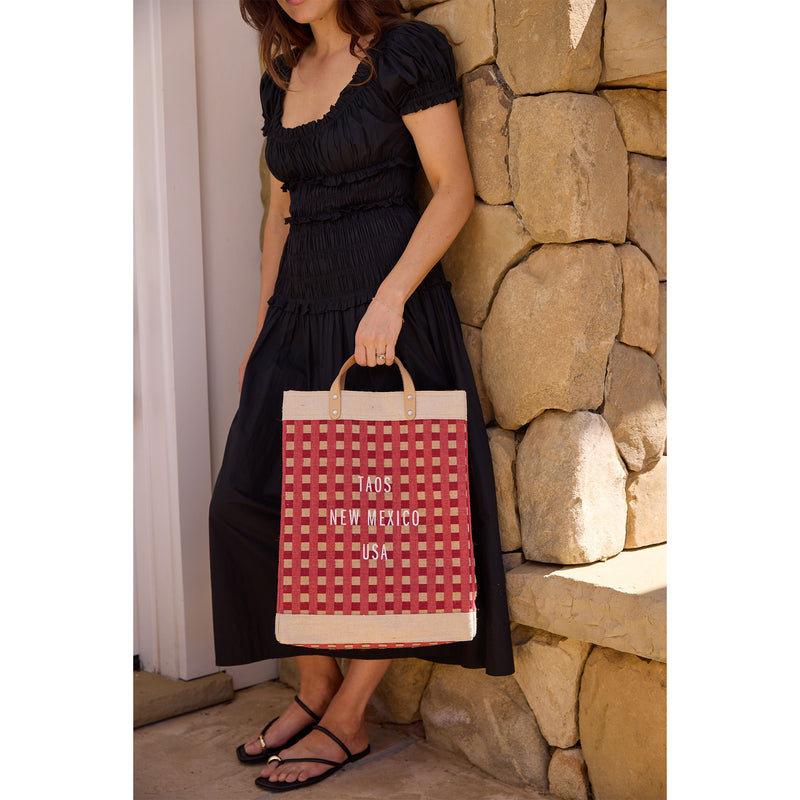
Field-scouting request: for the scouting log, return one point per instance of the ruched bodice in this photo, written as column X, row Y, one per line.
column 350, row 176
column 322, row 198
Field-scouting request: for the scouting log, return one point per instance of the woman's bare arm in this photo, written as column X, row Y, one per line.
column 275, row 233
column 443, row 154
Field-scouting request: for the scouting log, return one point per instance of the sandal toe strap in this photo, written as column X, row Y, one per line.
column 310, row 758
column 305, row 708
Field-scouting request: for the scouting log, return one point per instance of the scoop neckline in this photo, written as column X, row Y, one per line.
column 331, row 112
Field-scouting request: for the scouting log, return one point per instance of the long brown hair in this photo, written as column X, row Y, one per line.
column 279, row 34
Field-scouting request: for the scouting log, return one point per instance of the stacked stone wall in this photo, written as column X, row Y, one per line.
column 559, row 277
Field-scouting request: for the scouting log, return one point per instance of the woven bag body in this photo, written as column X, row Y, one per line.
column 376, row 543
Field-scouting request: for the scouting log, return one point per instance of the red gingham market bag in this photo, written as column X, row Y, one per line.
column 376, row 540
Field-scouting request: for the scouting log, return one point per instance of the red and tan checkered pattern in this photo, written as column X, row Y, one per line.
column 330, row 522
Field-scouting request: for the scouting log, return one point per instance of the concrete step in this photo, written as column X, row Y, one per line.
column 156, row 697
column 192, row 757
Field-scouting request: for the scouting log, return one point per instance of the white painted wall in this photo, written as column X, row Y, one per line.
column 229, row 118
column 197, row 214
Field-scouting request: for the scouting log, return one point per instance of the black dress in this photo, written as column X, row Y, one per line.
column 351, row 177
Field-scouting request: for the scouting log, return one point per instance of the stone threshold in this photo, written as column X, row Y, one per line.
column 620, row 603
column 156, row 697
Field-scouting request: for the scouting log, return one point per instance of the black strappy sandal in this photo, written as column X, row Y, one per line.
column 266, row 752
column 283, row 786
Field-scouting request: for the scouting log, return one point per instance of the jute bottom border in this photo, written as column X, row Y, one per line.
column 457, row 626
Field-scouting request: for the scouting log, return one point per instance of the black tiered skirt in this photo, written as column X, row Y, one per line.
column 309, row 332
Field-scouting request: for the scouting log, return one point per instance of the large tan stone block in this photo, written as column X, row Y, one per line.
column 635, row 44
column 551, row 327
column 400, row 691
column 549, row 45
column 502, row 444
column 568, row 167
column 660, row 354
column 571, row 488
column 548, row 670
column 641, row 118
column 492, row 239
column 623, row 725
column 647, row 506
column 485, row 719
column 474, row 347
column 486, row 106
column 470, row 24
column 647, row 208
column 619, row 603
column 513, row 560
column 568, row 776
column 634, row 406
column 639, row 324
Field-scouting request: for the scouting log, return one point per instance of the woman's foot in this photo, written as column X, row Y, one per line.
column 320, row 679
column 293, row 720
column 316, row 744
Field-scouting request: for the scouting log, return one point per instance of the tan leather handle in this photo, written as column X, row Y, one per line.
column 409, row 392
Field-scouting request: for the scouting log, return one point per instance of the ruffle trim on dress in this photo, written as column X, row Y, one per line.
column 344, row 211
column 442, row 94
column 345, row 302
column 335, row 110
column 340, row 178
column 323, row 305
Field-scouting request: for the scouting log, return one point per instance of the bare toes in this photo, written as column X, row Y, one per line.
column 268, row 771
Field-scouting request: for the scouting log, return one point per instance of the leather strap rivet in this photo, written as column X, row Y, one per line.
column 336, row 397
column 410, row 413
column 334, row 412
column 411, row 397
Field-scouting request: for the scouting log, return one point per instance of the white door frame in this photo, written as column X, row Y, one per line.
column 197, row 213
column 172, row 469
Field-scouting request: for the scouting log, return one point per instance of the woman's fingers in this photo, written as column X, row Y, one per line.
column 368, row 349
column 367, row 356
column 376, row 336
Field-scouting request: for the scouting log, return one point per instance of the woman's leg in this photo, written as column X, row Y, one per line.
column 344, row 718
column 320, row 679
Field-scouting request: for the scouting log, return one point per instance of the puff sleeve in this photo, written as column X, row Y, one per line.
column 264, row 91
column 419, row 68
column 270, row 96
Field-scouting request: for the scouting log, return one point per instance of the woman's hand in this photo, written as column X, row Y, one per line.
column 377, row 333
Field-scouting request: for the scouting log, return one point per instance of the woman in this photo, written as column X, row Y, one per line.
column 349, row 267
